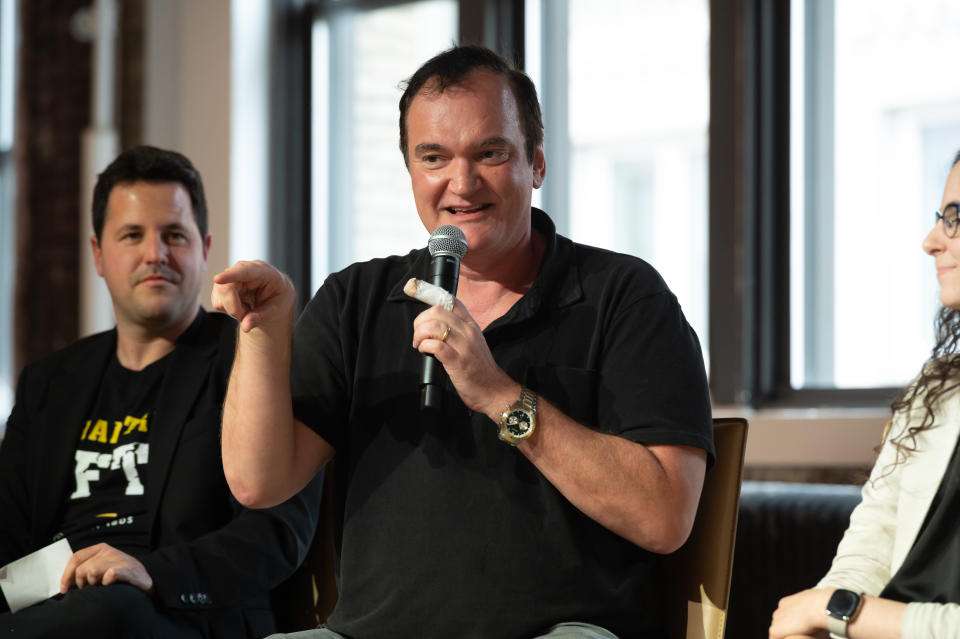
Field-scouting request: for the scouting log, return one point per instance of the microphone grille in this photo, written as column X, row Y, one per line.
column 448, row 240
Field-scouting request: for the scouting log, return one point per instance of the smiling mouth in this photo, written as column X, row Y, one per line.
column 459, row 210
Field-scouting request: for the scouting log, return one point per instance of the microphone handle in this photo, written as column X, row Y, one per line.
column 445, row 273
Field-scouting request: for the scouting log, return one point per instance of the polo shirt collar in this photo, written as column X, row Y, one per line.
column 558, row 279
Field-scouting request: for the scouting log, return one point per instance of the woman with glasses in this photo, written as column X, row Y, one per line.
column 897, row 569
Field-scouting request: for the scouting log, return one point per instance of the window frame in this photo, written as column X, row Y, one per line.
column 750, row 77
column 9, row 41
column 289, row 189
column 748, row 180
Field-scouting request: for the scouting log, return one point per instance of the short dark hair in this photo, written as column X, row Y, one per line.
column 448, row 68
column 150, row 164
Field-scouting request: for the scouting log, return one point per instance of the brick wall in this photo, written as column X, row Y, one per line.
column 52, row 111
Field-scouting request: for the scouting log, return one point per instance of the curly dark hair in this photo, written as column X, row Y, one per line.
column 448, row 68
column 940, row 374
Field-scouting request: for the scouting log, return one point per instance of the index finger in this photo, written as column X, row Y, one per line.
column 77, row 558
column 458, row 309
column 244, row 271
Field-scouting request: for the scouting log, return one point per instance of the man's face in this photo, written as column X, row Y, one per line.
column 468, row 166
column 151, row 255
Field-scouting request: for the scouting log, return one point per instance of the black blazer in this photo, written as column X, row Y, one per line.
column 209, row 557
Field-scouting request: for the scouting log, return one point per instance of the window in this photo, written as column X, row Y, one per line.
column 778, row 163
column 362, row 203
column 8, row 44
column 875, row 123
column 626, row 134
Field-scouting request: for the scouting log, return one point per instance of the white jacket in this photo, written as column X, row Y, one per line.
column 885, row 524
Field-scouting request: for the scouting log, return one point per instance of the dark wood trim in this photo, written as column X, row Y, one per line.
column 749, row 177
column 727, row 192
column 496, row 24
column 290, row 133
column 771, row 167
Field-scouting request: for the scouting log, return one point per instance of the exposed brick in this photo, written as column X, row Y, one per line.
column 53, row 110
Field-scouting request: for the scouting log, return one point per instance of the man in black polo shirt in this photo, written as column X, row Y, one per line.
column 113, row 442
column 464, row 523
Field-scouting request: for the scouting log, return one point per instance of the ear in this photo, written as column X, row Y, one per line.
column 97, row 254
column 539, row 166
column 206, row 246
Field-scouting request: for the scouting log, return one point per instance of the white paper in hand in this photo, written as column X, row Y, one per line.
column 36, row 576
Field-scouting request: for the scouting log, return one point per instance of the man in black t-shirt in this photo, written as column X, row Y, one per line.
column 113, row 442
column 113, row 452
column 575, row 432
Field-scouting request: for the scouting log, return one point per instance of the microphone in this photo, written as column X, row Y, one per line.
column 447, row 247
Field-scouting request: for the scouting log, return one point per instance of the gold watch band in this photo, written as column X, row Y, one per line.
column 527, row 403
column 529, row 400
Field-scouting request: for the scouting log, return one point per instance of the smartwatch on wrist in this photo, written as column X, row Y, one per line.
column 841, row 609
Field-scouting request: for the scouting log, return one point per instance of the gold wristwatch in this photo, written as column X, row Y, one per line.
column 519, row 420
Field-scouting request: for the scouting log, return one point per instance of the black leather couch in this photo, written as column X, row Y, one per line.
column 787, row 535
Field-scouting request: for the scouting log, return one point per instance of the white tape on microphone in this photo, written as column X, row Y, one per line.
column 428, row 293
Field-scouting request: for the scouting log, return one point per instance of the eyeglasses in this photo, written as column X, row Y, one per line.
column 951, row 220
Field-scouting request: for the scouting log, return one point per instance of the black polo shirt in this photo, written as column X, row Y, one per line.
column 449, row 532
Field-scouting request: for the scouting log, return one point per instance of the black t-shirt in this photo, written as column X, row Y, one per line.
column 107, row 502
column 449, row 532
column 931, row 570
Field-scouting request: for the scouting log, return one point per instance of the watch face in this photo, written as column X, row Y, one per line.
column 843, row 603
column 518, row 422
